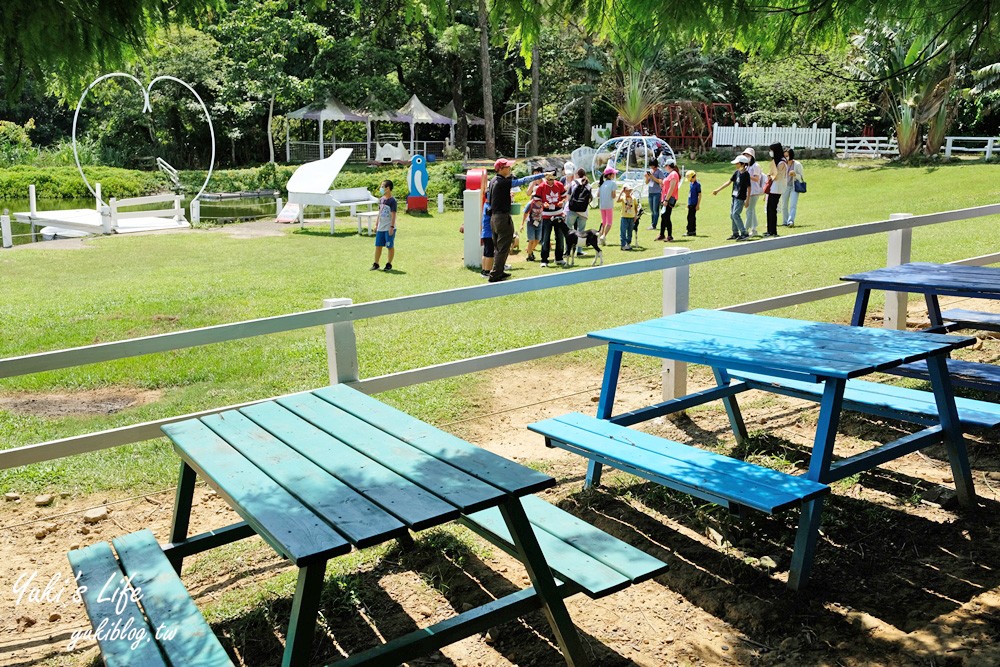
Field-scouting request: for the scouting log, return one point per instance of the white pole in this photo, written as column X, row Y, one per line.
column 833, row 138
column 341, row 346
column 288, row 140
column 97, row 194
column 413, row 139
column 472, row 220
column 196, row 212
column 32, row 202
column 107, row 221
column 517, row 123
column 947, row 146
column 321, row 138
column 900, row 243
column 8, row 241
column 989, row 148
column 676, row 290
column 440, row 202
column 278, row 205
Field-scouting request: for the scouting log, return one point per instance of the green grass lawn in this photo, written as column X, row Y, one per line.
column 127, row 286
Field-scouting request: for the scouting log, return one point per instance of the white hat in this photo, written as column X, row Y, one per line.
column 741, row 159
column 750, row 151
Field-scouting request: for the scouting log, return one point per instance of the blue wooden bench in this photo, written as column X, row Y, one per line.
column 166, row 630
column 883, row 400
column 718, row 479
column 959, row 318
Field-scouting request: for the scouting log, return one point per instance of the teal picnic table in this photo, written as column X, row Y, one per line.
column 320, row 473
column 809, row 359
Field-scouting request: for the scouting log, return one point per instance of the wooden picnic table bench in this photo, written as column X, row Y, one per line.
column 934, row 280
column 826, row 357
column 320, row 473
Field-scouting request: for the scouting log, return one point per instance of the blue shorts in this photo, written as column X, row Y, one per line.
column 534, row 233
column 384, row 239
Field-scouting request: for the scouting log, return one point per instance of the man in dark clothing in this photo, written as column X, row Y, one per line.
column 501, row 224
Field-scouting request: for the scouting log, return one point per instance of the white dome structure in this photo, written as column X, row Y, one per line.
column 632, row 156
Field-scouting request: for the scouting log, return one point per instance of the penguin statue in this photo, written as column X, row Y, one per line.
column 417, row 182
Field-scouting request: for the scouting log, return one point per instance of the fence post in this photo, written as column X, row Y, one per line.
column 833, row 138
column 278, row 205
column 440, row 202
column 195, row 211
column 676, row 290
column 341, row 346
column 32, row 201
column 947, row 146
column 472, row 218
column 900, row 243
column 5, row 231
column 107, row 222
column 989, row 148
column 715, row 135
column 97, row 196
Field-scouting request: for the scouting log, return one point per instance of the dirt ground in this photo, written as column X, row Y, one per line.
column 902, row 576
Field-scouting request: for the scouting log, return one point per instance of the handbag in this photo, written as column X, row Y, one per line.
column 672, row 201
column 767, row 186
column 800, row 186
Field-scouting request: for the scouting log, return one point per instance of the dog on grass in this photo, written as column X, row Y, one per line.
column 589, row 238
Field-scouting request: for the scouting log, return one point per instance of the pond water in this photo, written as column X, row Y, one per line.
column 212, row 212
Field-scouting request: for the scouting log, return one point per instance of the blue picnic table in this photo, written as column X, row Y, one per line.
column 813, row 360
column 932, row 281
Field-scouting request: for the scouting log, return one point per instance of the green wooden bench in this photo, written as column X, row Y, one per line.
column 159, row 623
column 883, row 400
column 578, row 553
column 718, row 479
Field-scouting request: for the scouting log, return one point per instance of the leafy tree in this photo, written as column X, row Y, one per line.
column 802, row 90
column 68, row 39
column 261, row 40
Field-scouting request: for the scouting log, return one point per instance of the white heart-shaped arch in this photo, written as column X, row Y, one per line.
column 146, row 108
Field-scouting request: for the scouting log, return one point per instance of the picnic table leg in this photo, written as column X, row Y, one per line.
column 860, row 306
column 805, row 544
column 612, row 368
column 183, row 498
column 723, row 379
column 826, row 430
column 933, row 310
column 954, row 441
column 530, row 554
column 305, row 607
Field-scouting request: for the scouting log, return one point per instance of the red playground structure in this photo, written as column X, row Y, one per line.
column 685, row 125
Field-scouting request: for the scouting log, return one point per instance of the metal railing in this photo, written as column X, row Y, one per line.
column 339, row 315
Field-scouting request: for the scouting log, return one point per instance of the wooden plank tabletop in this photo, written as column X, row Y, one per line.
column 947, row 279
column 791, row 347
column 319, row 472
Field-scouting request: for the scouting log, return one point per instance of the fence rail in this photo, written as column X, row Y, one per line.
column 308, row 151
column 984, row 145
column 866, row 146
column 794, row 136
column 339, row 322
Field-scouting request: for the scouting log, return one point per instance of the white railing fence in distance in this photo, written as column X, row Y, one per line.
column 984, row 145
column 866, row 147
column 754, row 135
column 340, row 319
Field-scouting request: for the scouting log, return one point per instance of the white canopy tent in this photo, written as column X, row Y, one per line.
column 418, row 112
column 333, row 111
column 449, row 112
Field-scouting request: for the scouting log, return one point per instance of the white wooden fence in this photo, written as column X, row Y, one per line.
column 794, row 136
column 339, row 315
column 984, row 145
column 866, row 147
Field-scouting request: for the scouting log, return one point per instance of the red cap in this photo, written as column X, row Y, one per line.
column 501, row 163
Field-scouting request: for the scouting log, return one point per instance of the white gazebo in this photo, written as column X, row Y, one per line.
column 333, row 111
column 420, row 113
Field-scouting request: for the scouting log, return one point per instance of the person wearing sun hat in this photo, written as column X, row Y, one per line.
column 607, row 189
column 741, row 188
column 501, row 224
column 629, row 210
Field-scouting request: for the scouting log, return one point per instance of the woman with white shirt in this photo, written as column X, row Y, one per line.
column 790, row 202
column 778, row 179
column 756, row 190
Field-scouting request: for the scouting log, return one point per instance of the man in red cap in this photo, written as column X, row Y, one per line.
column 501, row 224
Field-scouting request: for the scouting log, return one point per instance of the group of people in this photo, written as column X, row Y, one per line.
column 781, row 185
column 560, row 205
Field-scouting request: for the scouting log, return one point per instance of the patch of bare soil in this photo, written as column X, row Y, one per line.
column 80, row 403
column 902, row 577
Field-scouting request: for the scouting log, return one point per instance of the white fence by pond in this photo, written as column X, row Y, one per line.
column 339, row 315
column 794, row 136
